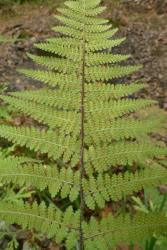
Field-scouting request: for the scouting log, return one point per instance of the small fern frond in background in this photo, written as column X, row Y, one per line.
column 4, row 39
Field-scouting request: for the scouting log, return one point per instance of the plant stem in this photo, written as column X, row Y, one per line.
column 82, row 203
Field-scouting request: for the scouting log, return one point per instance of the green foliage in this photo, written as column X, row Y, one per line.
column 66, row 182
column 46, row 220
column 4, row 39
column 91, row 139
column 9, row 2
column 4, row 231
column 110, row 232
column 154, row 201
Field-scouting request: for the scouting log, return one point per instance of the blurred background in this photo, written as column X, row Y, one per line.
column 143, row 22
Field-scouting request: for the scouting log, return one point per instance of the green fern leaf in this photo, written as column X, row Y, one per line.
column 107, row 73
column 102, row 58
column 48, row 221
column 61, row 65
column 64, row 49
column 40, row 140
column 121, row 129
column 114, row 109
column 50, row 78
column 110, row 232
column 77, row 25
column 50, row 98
column 46, row 115
column 81, row 18
column 41, row 177
column 105, row 187
column 120, row 153
column 93, row 46
column 110, row 91
column 90, row 127
column 76, row 7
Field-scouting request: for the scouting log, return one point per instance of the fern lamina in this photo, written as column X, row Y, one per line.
column 94, row 140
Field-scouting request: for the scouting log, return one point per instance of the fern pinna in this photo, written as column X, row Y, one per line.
column 93, row 142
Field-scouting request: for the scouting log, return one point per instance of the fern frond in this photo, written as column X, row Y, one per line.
column 41, row 177
column 104, row 188
column 89, row 128
column 61, row 65
column 67, row 121
column 93, row 46
column 48, row 221
column 102, row 91
column 97, row 190
column 61, row 41
column 91, row 4
column 52, row 98
column 40, row 140
column 52, row 79
column 120, row 153
column 121, row 129
column 104, row 40
column 79, row 26
column 68, row 31
column 4, row 39
column 113, row 109
column 81, row 18
column 111, row 232
column 72, row 53
column 77, row 7
column 108, row 73
column 88, row 4
column 5, row 162
column 64, row 99
column 104, row 58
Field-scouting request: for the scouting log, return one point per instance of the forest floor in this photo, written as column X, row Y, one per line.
column 143, row 22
